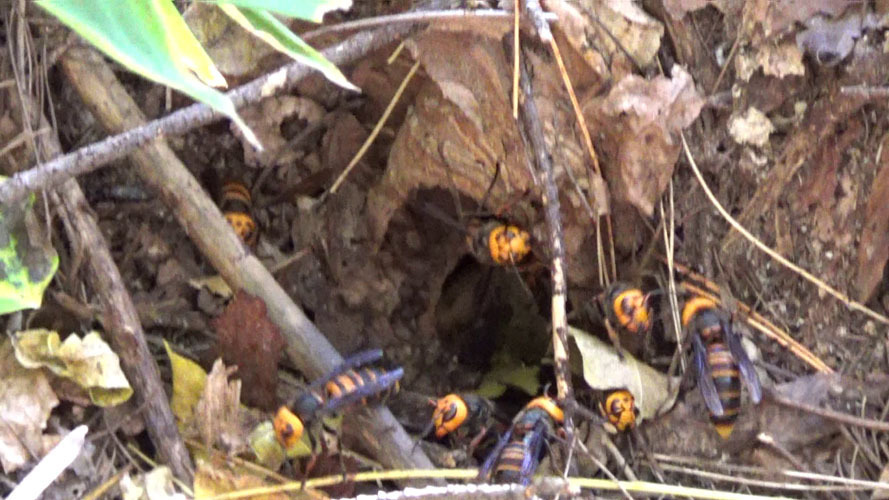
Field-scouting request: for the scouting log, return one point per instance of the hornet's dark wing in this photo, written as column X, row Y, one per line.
column 484, row 472
column 705, row 377
column 733, row 339
column 534, row 442
column 353, row 361
column 362, row 391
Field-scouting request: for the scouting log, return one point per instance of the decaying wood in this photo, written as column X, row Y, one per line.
column 165, row 174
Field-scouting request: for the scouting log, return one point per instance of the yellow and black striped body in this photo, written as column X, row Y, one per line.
column 720, row 361
column 353, row 380
column 347, row 385
column 500, row 244
column 237, row 206
column 727, row 380
column 620, row 409
column 509, row 465
column 516, row 457
column 461, row 415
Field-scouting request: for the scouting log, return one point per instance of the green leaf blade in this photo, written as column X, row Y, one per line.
column 28, row 261
column 151, row 39
column 265, row 26
column 310, row 10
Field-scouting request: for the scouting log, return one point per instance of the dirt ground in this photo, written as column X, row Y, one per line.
column 783, row 107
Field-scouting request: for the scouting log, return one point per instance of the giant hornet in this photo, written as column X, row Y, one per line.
column 237, row 206
column 627, row 310
column 461, row 416
column 496, row 243
column 720, row 361
column 491, row 241
column 345, row 386
column 519, row 451
column 619, row 408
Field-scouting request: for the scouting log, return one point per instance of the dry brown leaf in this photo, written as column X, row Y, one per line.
column 265, row 121
column 640, row 120
column 341, row 141
column 458, row 130
column 26, row 401
column 247, row 338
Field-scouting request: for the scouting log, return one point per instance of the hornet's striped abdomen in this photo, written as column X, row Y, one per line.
column 237, row 206
column 727, row 380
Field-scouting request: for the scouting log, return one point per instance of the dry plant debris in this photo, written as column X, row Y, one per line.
column 758, row 88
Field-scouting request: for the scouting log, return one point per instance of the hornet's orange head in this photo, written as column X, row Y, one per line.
column 450, row 413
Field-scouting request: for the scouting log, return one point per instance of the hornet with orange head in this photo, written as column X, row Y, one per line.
column 496, row 243
column 349, row 384
column 721, row 362
column 619, row 407
column 627, row 311
column 462, row 415
column 491, row 241
column 237, row 206
column 517, row 455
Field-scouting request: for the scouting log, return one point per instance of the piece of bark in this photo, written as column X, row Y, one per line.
column 873, row 251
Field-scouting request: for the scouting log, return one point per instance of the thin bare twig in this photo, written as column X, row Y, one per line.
column 413, row 17
column 535, row 142
column 843, row 418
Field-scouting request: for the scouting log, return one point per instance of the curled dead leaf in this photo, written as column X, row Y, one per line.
column 640, row 120
column 89, row 362
column 26, row 401
column 603, row 369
